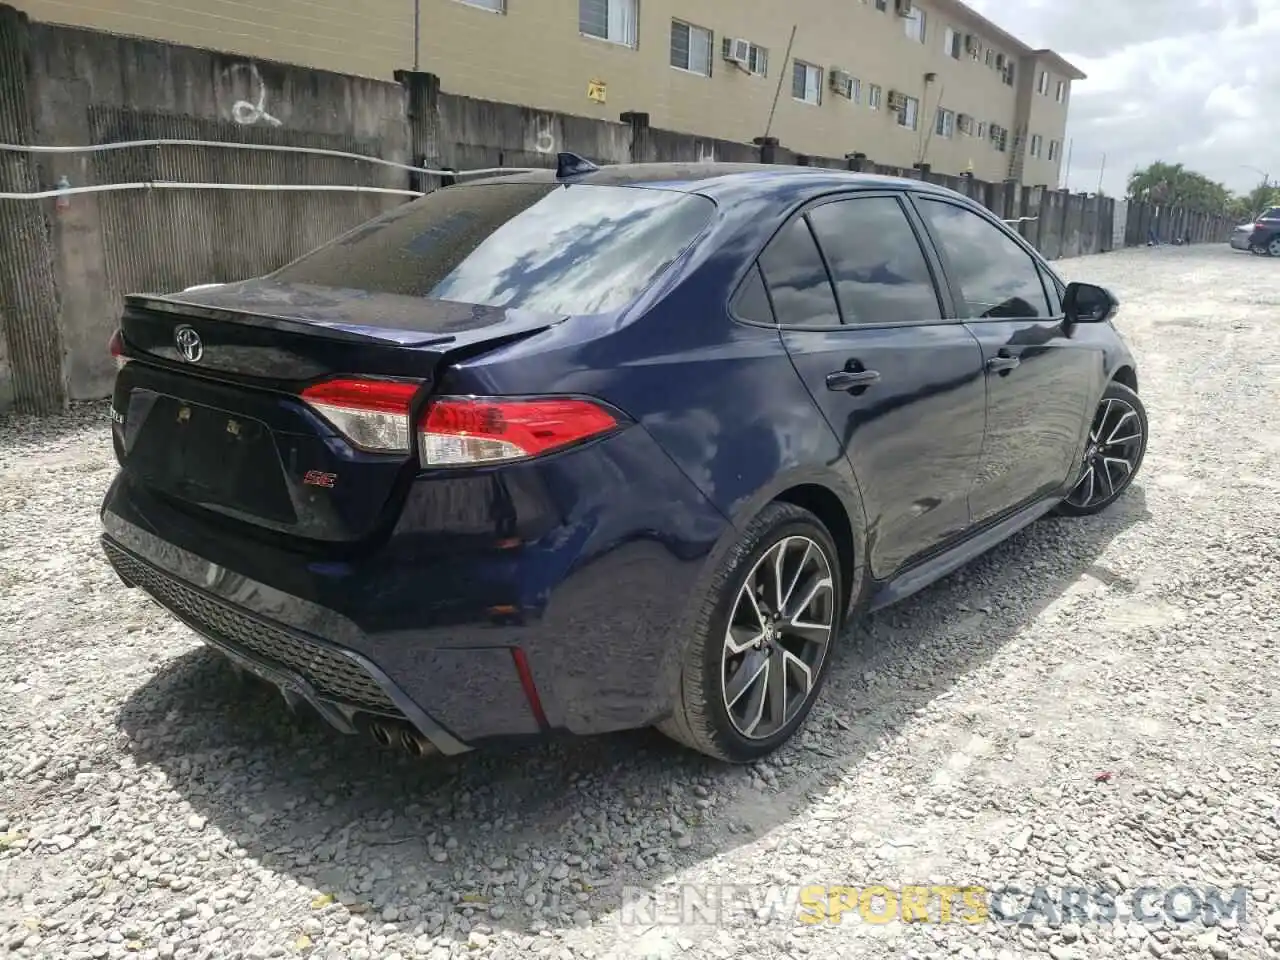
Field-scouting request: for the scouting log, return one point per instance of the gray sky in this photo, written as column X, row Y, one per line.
column 1184, row 81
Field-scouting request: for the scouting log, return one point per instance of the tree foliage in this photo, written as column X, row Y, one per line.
column 1171, row 184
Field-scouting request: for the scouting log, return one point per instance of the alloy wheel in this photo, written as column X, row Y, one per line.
column 778, row 636
column 1110, row 461
column 1273, row 247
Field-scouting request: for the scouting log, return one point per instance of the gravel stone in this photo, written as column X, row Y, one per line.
column 155, row 804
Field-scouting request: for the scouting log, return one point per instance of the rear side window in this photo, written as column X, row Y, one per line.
column 566, row 249
column 1272, row 214
column 880, row 272
column 752, row 301
column 797, row 278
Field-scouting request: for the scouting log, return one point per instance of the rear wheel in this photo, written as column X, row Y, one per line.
column 1273, row 246
column 1113, row 453
column 762, row 640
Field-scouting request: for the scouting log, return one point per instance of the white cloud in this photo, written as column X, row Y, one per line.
column 1184, row 81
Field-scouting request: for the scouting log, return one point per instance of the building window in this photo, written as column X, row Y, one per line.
column 882, row 5
column 754, row 59
column 1037, row 144
column 914, row 25
column 1062, row 91
column 964, row 123
column 946, row 124
column 875, row 96
column 493, row 6
column 691, row 48
column 909, row 115
column 1042, row 86
column 951, row 41
column 991, row 57
column 982, row 129
column 1008, row 73
column 806, row 82
column 847, row 86
column 999, row 137
column 1054, row 149
column 614, row 20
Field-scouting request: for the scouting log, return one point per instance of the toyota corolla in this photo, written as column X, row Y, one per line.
column 596, row 449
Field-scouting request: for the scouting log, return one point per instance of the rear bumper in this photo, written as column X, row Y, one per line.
column 339, row 683
column 568, row 576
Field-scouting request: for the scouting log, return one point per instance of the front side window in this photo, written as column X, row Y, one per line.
column 797, row 278
column 879, row 270
column 614, row 20
column 564, row 249
column 996, row 278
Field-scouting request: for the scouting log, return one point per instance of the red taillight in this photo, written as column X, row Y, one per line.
column 455, row 431
column 115, row 346
column 372, row 414
column 464, row 431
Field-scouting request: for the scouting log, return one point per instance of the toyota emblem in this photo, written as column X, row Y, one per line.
column 188, row 343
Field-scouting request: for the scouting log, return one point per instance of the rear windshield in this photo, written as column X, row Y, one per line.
column 563, row 249
column 1272, row 214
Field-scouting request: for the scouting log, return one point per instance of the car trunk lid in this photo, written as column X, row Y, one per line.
column 209, row 409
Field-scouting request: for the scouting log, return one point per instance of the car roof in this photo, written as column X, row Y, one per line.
column 716, row 179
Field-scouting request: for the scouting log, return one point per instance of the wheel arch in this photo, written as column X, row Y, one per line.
column 824, row 504
column 1126, row 375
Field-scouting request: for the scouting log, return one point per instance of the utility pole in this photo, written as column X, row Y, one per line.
column 1066, row 180
column 1101, row 172
column 417, row 32
column 781, row 77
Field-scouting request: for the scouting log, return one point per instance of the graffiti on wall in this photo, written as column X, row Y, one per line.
column 544, row 136
column 251, row 108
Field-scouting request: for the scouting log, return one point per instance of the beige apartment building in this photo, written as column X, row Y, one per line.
column 902, row 81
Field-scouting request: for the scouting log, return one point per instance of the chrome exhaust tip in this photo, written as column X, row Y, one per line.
column 415, row 743
column 380, row 734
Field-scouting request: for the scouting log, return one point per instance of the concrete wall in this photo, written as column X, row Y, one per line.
column 65, row 267
column 532, row 53
column 87, row 87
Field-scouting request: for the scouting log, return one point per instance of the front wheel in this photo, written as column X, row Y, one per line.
column 762, row 640
column 1113, row 454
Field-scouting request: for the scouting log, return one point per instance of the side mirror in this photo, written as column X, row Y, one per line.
column 1087, row 303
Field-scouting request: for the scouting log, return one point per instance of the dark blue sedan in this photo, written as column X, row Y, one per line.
column 595, row 449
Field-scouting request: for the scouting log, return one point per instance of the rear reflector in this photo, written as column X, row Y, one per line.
column 463, row 431
column 372, row 414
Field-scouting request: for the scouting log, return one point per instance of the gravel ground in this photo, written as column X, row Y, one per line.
column 1093, row 704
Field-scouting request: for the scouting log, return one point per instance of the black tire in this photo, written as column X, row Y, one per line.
column 1113, row 412
column 702, row 718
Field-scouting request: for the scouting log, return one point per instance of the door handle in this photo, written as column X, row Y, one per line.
column 851, row 379
column 1002, row 363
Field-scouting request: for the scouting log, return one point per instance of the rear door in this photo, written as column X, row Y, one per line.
column 1040, row 379
column 855, row 297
